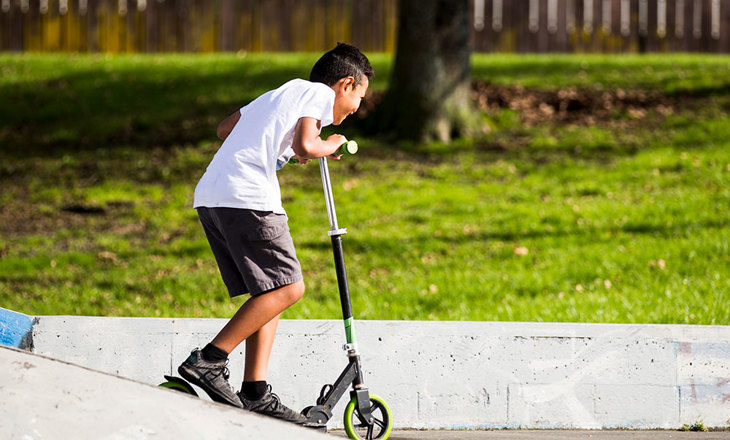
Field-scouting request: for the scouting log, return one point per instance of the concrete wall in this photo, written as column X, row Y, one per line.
column 449, row 375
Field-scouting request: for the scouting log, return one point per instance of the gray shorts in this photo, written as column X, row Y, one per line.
column 253, row 249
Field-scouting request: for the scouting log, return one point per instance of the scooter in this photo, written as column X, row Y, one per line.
column 367, row 416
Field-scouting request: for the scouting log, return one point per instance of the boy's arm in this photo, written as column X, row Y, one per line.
column 226, row 127
column 308, row 145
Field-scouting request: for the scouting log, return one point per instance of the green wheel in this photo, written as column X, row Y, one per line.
column 358, row 429
column 178, row 385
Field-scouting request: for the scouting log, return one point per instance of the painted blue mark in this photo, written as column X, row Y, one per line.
column 15, row 329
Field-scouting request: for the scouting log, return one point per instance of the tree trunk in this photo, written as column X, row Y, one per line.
column 428, row 97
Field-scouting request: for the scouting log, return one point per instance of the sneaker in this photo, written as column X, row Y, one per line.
column 212, row 377
column 271, row 406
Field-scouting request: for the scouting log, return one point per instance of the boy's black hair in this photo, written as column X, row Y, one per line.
column 342, row 61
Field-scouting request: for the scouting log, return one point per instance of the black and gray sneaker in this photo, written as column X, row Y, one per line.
column 271, row 406
column 212, row 377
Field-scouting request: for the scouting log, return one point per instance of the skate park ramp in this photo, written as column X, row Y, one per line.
column 434, row 375
column 44, row 398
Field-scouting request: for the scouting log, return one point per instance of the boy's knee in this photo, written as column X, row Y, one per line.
column 296, row 291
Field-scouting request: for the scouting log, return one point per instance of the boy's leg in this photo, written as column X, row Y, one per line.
column 256, row 313
column 258, row 351
column 256, row 322
column 255, row 394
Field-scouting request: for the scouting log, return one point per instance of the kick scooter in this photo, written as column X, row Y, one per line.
column 367, row 415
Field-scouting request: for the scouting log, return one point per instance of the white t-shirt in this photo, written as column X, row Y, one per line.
column 242, row 173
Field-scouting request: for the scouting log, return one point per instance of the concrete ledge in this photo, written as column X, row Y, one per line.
column 46, row 398
column 449, row 375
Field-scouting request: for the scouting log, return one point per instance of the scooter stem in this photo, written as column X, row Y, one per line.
column 329, row 200
column 336, row 234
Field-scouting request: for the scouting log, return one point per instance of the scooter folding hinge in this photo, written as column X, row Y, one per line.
column 350, row 348
column 341, row 231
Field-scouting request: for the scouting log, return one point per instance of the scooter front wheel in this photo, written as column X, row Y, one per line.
column 358, row 428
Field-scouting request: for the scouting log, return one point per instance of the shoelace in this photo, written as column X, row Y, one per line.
column 274, row 404
column 275, row 408
column 226, row 374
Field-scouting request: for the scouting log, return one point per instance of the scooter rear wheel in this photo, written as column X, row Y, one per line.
column 358, row 428
column 177, row 384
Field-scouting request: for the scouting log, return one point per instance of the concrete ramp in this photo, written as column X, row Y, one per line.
column 43, row 398
column 434, row 375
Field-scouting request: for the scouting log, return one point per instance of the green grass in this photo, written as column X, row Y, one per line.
column 618, row 221
column 669, row 73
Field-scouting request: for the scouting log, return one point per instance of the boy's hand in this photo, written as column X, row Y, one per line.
column 300, row 160
column 336, row 139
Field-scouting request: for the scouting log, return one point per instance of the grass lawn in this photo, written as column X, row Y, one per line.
column 622, row 218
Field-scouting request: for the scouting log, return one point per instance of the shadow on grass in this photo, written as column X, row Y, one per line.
column 157, row 103
column 703, row 91
column 397, row 246
column 143, row 108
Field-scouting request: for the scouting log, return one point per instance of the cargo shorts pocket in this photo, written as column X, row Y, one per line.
column 268, row 228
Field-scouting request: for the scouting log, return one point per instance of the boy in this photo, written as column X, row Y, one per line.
column 239, row 205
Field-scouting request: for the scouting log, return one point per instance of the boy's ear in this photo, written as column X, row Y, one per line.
column 344, row 85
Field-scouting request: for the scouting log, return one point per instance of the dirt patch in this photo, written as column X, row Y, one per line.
column 571, row 105
column 567, row 105
column 19, row 215
column 26, row 218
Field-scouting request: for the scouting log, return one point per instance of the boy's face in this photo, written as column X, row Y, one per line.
column 347, row 97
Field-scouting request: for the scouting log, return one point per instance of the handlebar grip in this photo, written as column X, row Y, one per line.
column 349, row 147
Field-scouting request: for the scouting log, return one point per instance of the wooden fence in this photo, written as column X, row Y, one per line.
column 315, row 25
column 601, row 26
